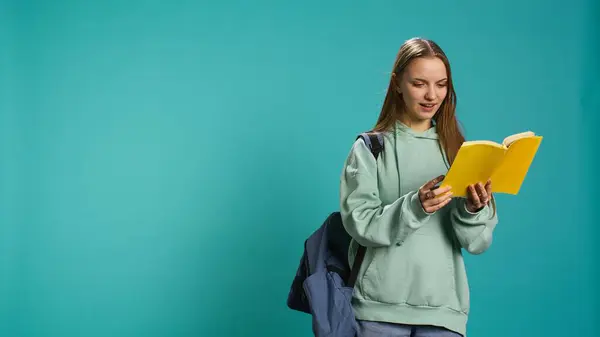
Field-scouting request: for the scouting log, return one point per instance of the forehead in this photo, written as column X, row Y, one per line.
column 430, row 68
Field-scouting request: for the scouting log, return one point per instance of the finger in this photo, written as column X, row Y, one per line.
column 485, row 197
column 438, row 200
column 441, row 190
column 443, row 197
column 481, row 192
column 439, row 206
column 425, row 195
column 488, row 188
column 429, row 185
column 473, row 195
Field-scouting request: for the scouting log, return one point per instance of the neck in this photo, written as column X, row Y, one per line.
column 417, row 125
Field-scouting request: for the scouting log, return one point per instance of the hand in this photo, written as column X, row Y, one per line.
column 478, row 196
column 434, row 199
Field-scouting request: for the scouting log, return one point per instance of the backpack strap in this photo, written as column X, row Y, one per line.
column 374, row 142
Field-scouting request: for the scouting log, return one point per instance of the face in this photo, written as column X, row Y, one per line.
column 424, row 85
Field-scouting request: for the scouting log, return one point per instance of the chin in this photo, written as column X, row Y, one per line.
column 426, row 115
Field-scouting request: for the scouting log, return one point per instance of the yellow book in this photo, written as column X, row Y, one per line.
column 505, row 164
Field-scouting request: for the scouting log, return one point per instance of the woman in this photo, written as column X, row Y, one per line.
column 412, row 281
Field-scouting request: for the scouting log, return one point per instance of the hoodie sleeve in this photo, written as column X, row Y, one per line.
column 365, row 217
column 474, row 231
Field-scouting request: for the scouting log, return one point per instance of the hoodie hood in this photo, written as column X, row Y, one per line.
column 403, row 129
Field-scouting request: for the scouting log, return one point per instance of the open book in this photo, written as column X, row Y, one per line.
column 505, row 164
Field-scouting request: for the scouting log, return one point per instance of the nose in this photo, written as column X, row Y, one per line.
column 430, row 94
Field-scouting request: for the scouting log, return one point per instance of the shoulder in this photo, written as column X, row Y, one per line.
column 358, row 151
column 369, row 141
column 374, row 141
column 364, row 151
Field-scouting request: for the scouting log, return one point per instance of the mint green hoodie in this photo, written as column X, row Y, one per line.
column 413, row 271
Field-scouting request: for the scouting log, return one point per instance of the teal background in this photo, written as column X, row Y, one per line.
column 162, row 164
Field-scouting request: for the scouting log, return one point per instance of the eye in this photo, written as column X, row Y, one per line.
column 418, row 85
column 442, row 85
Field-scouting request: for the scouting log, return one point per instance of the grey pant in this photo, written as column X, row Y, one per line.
column 381, row 329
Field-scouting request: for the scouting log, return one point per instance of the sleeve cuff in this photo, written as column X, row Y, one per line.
column 472, row 213
column 464, row 211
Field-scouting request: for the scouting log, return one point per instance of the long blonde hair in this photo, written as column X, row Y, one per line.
column 449, row 133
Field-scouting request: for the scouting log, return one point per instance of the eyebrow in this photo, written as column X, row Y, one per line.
column 422, row 80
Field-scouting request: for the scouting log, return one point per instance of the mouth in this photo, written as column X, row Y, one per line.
column 427, row 106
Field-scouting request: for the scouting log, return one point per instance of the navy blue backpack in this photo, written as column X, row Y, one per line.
column 324, row 281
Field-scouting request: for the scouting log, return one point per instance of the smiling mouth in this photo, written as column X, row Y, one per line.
column 427, row 105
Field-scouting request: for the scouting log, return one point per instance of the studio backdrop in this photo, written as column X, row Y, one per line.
column 162, row 163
